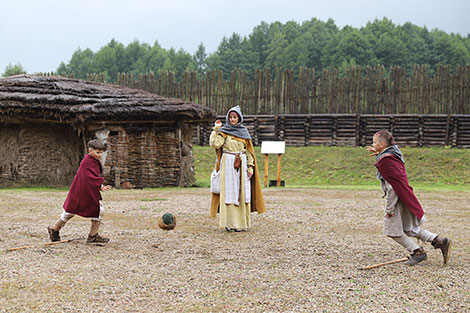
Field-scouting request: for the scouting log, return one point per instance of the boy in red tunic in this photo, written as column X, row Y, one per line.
column 84, row 196
column 403, row 212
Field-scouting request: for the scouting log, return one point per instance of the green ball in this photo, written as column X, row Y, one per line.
column 167, row 218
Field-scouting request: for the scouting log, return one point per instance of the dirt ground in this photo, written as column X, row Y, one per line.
column 302, row 255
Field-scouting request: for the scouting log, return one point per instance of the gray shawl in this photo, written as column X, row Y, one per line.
column 390, row 150
column 238, row 130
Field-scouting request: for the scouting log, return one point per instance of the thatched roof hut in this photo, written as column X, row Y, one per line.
column 46, row 122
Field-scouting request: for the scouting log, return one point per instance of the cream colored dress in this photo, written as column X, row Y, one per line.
column 231, row 215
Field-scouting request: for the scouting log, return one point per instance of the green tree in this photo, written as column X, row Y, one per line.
column 63, row 69
column 168, row 66
column 135, row 58
column 345, row 45
column 80, row 64
column 390, row 51
column 345, row 65
column 314, row 43
column 316, row 35
column 291, row 30
column 110, row 60
column 200, row 57
column 418, row 44
column 387, row 45
column 467, row 42
column 11, row 70
column 213, row 61
column 233, row 53
column 450, row 49
column 182, row 61
column 275, row 52
column 287, row 56
column 152, row 60
column 260, row 38
column 296, row 55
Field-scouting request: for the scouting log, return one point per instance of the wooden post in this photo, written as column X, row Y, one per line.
column 42, row 244
column 385, row 263
column 272, row 147
column 265, row 170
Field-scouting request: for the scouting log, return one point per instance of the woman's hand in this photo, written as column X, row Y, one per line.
column 217, row 125
column 250, row 171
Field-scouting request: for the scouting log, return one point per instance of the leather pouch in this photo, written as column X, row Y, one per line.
column 238, row 162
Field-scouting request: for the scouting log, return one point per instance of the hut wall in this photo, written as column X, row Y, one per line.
column 149, row 156
column 38, row 154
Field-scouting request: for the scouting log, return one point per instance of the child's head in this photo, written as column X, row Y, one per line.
column 382, row 139
column 96, row 148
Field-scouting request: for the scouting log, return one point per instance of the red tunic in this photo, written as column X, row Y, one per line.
column 393, row 171
column 84, row 196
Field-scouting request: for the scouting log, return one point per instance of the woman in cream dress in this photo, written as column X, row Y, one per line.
column 240, row 188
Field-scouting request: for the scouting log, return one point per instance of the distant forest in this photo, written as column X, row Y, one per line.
column 310, row 44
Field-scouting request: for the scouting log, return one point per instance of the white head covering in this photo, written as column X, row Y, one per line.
column 238, row 130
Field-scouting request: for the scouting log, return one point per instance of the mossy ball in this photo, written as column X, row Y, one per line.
column 167, row 221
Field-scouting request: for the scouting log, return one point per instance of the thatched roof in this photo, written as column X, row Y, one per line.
column 79, row 102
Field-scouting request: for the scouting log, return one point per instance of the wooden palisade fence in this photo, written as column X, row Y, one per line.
column 331, row 110
column 370, row 91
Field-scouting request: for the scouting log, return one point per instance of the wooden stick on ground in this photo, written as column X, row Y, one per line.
column 42, row 244
column 385, row 263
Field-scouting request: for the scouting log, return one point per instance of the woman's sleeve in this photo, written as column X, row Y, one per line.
column 216, row 140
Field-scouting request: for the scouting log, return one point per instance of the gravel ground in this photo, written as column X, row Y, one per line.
column 302, row 255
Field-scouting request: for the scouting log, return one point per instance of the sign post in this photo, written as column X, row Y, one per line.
column 273, row 147
column 266, row 159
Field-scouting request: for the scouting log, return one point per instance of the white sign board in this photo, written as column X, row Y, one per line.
column 273, row 147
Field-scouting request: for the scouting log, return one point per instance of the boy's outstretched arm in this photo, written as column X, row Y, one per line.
column 372, row 151
column 106, row 188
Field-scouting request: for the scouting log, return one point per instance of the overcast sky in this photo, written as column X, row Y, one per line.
column 40, row 34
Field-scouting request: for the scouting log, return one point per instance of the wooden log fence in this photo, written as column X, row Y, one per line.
column 415, row 130
column 373, row 90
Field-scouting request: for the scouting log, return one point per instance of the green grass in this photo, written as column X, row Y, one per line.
column 349, row 168
column 352, row 167
column 153, row 199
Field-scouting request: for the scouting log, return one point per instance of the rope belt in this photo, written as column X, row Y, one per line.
column 234, row 153
column 238, row 160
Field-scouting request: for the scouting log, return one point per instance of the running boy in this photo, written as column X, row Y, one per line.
column 84, row 196
column 403, row 212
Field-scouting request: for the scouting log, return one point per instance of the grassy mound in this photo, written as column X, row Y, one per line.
column 352, row 167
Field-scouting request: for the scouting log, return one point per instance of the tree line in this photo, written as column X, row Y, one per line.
column 311, row 44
